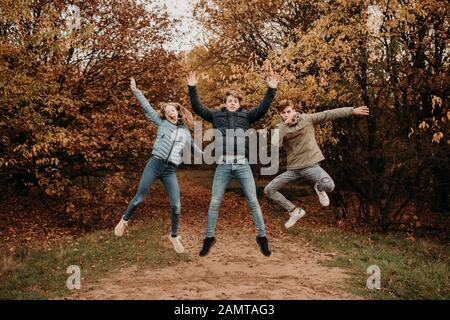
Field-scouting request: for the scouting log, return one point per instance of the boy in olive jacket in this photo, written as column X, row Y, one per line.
column 296, row 134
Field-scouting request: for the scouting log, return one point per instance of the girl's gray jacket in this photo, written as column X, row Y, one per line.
column 171, row 139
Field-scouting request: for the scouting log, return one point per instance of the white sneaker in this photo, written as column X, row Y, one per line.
column 323, row 197
column 176, row 242
column 120, row 228
column 296, row 214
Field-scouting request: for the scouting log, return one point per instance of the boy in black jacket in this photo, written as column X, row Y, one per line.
column 231, row 155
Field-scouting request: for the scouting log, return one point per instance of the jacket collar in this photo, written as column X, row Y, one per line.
column 225, row 109
column 178, row 124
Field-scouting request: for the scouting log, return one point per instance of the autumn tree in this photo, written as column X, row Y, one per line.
column 243, row 34
column 67, row 114
column 389, row 55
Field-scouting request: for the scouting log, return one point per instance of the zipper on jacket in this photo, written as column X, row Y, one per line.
column 174, row 140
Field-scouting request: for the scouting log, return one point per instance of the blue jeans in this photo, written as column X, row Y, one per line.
column 158, row 169
column 224, row 173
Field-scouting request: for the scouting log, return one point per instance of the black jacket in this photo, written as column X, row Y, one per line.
column 224, row 119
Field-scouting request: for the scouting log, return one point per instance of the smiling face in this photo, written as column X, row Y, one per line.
column 171, row 113
column 232, row 100
column 232, row 103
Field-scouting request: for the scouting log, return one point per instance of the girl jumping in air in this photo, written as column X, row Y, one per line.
column 173, row 123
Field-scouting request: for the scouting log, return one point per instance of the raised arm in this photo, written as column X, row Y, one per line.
column 148, row 110
column 197, row 105
column 328, row 115
column 258, row 112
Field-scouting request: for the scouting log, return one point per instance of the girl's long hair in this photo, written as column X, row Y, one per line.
column 186, row 115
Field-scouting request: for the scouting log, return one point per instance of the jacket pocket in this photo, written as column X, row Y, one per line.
column 221, row 122
column 160, row 137
column 242, row 120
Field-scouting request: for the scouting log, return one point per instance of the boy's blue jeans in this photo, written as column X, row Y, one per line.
column 166, row 172
column 243, row 173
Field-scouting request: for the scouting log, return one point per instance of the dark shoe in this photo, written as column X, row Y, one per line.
column 263, row 245
column 207, row 244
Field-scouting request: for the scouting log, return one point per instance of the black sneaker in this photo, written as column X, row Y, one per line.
column 207, row 244
column 263, row 245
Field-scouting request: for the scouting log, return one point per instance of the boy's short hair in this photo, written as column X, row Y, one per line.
column 284, row 104
column 233, row 93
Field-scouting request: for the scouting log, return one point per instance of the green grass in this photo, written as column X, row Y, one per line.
column 38, row 273
column 410, row 269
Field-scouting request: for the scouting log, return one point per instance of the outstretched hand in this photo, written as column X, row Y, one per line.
column 192, row 78
column 272, row 80
column 361, row 111
column 132, row 84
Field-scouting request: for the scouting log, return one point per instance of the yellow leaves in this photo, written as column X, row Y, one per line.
column 436, row 123
column 436, row 101
column 7, row 162
column 424, row 125
column 41, row 148
column 70, row 208
column 437, row 137
column 310, row 80
column 332, row 94
column 325, row 63
column 410, row 236
column 323, row 82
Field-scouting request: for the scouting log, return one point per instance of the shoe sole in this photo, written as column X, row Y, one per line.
column 304, row 213
column 174, row 245
column 118, row 234
column 323, row 205
column 207, row 252
column 265, row 255
column 260, row 249
column 177, row 250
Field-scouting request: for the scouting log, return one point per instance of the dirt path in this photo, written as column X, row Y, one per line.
column 234, row 269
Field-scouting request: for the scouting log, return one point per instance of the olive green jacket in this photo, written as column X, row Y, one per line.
column 299, row 138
